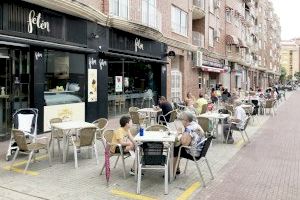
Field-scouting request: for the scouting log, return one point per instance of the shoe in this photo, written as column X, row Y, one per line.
column 132, row 172
column 178, row 171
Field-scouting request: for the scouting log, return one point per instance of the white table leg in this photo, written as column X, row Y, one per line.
column 171, row 174
column 65, row 143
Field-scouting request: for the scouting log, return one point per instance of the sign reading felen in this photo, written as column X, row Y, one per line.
column 138, row 45
column 37, row 20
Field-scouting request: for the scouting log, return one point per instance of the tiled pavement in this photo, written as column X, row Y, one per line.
column 63, row 181
column 269, row 167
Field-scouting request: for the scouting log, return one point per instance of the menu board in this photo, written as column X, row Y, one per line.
column 92, row 85
column 118, row 84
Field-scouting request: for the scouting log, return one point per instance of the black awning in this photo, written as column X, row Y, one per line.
column 120, row 55
column 46, row 44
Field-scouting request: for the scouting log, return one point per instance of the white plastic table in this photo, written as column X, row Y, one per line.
column 66, row 128
column 158, row 136
column 216, row 116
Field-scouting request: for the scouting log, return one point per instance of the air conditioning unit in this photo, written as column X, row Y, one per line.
column 217, row 4
column 197, row 59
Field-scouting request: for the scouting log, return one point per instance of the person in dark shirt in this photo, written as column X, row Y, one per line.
column 165, row 107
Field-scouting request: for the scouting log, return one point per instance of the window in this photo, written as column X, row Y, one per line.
column 179, row 21
column 259, row 44
column 228, row 48
column 176, row 84
column 211, row 37
column 118, row 8
column 211, row 6
column 229, row 16
column 149, row 12
column 65, row 77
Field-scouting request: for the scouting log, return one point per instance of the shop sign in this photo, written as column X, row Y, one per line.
column 38, row 21
column 118, row 84
column 138, row 45
column 212, row 62
column 92, row 85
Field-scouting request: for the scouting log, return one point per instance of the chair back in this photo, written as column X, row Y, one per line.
column 206, row 146
column 246, row 123
column 133, row 131
column 135, row 117
column 153, row 153
column 204, row 123
column 101, row 124
column 204, row 109
column 108, row 135
column 157, row 127
column 56, row 132
column 230, row 108
column 26, row 120
column 20, row 139
column 173, row 116
column 133, row 109
column 87, row 136
column 269, row 103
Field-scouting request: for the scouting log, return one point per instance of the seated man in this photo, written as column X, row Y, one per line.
column 124, row 137
column 199, row 103
column 165, row 106
column 239, row 120
column 193, row 134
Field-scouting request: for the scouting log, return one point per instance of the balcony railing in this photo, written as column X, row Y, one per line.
column 198, row 9
column 143, row 12
column 198, row 39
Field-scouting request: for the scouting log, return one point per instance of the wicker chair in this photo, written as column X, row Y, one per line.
column 204, row 123
column 204, row 109
column 107, row 140
column 270, row 105
column 85, row 139
column 157, row 127
column 24, row 147
column 57, row 135
column 242, row 130
column 101, row 125
column 230, row 108
column 136, row 117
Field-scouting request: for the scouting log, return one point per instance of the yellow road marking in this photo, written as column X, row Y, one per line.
column 240, row 143
column 131, row 195
column 188, row 192
column 18, row 170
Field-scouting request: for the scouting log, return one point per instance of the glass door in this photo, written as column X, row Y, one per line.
column 14, row 84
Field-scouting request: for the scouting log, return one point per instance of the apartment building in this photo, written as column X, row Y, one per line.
column 290, row 60
column 168, row 47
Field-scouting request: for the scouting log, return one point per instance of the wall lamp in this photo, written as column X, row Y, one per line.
column 171, row 54
column 94, row 36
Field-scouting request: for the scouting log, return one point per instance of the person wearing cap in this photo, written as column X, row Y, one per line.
column 192, row 136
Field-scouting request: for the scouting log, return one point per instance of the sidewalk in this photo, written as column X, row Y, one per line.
column 269, row 167
column 63, row 181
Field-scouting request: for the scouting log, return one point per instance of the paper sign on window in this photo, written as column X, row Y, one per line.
column 118, row 84
column 92, row 85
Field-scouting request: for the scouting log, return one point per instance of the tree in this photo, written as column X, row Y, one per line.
column 297, row 75
column 282, row 74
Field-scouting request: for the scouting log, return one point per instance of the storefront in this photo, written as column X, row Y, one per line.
column 211, row 71
column 136, row 72
column 44, row 57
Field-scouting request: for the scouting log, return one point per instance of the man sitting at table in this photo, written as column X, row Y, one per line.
column 193, row 134
column 165, row 107
column 199, row 103
column 124, row 137
column 239, row 118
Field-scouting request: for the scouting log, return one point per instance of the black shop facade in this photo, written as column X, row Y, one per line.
column 50, row 61
column 136, row 73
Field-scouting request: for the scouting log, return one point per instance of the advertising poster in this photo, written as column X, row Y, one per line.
column 118, row 84
column 92, row 85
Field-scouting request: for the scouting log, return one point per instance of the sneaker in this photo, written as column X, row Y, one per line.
column 178, row 171
column 132, row 172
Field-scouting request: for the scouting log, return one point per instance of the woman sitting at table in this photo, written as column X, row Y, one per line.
column 189, row 100
column 124, row 137
column 193, row 134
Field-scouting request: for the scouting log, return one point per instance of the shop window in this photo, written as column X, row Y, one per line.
column 149, row 12
column 176, row 84
column 118, row 8
column 179, row 21
column 64, row 78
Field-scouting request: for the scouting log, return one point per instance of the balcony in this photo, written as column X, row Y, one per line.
column 198, row 9
column 249, row 19
column 198, row 39
column 143, row 18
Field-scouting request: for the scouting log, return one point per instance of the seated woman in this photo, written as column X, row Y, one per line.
column 189, row 100
column 124, row 137
column 193, row 134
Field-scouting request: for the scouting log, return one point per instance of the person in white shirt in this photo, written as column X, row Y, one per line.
column 239, row 120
